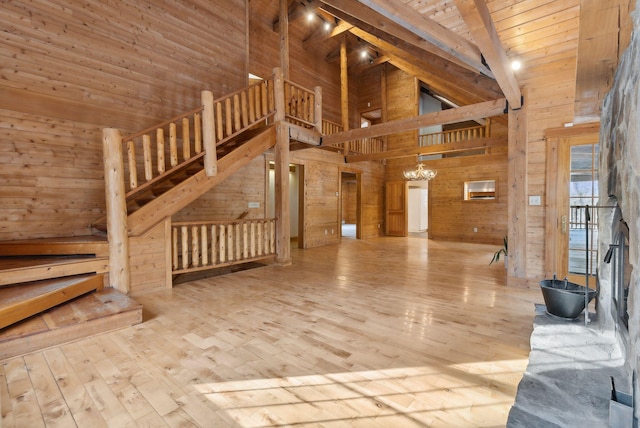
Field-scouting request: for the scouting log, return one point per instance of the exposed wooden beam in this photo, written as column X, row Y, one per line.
column 450, row 80
column 295, row 11
column 446, row 41
column 321, row 35
column 383, row 27
column 480, row 24
column 462, row 146
column 460, row 114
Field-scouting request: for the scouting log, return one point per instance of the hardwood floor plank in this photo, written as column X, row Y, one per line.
column 386, row 332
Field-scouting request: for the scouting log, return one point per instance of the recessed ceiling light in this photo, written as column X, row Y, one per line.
column 310, row 16
column 364, row 54
column 327, row 26
column 516, row 65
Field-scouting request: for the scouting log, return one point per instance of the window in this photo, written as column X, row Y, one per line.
column 479, row 190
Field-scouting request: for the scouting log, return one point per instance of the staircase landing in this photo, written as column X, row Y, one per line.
column 98, row 312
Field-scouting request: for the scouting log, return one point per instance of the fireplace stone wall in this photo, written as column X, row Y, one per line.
column 619, row 184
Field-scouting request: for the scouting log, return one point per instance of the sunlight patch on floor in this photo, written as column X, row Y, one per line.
column 399, row 397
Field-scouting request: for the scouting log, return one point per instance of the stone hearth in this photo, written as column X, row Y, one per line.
column 568, row 379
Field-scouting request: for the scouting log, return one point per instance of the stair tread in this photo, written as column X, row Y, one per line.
column 94, row 313
column 25, row 300
column 29, row 290
column 32, row 268
column 66, row 245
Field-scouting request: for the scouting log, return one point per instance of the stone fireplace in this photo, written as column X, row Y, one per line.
column 618, row 304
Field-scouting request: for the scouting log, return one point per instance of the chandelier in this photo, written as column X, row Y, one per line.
column 419, row 173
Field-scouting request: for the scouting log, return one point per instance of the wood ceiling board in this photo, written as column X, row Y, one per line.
column 478, row 19
column 371, row 21
column 597, row 56
column 525, row 12
column 430, row 30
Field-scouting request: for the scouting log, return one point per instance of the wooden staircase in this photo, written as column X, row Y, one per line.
column 38, row 276
column 52, row 288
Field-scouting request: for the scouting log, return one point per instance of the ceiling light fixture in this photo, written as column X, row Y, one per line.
column 516, row 65
column 327, row 26
column 364, row 54
column 310, row 16
column 419, row 173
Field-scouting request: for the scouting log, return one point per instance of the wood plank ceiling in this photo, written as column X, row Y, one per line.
column 462, row 49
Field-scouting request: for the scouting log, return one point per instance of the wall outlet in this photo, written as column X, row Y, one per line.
column 534, row 200
column 475, row 230
column 333, row 231
column 254, row 204
column 326, row 232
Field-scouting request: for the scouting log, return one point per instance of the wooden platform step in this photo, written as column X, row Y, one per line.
column 14, row 270
column 71, row 245
column 25, row 300
column 91, row 314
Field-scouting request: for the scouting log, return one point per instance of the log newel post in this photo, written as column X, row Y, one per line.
column 278, row 94
column 317, row 109
column 117, row 234
column 281, row 152
column 208, row 134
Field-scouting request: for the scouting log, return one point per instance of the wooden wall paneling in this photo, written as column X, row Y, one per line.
column 231, row 198
column 71, row 71
column 518, row 192
column 452, row 218
column 148, row 260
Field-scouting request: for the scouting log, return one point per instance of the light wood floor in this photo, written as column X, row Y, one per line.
column 390, row 332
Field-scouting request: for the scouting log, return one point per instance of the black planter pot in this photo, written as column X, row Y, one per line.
column 565, row 299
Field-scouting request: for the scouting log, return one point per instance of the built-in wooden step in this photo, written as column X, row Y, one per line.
column 68, row 245
column 22, row 301
column 98, row 312
column 15, row 270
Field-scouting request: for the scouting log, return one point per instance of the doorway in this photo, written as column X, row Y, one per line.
column 572, row 184
column 296, row 200
column 350, row 212
column 418, row 208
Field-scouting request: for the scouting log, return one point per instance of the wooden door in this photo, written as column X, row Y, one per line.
column 396, row 208
column 572, row 183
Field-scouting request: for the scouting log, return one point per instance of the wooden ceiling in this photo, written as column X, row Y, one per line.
column 463, row 49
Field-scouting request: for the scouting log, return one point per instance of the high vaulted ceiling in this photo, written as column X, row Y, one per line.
column 463, row 49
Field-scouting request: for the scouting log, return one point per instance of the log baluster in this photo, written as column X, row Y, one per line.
column 245, row 240
column 146, row 154
column 197, row 133
column 185, row 246
column 223, row 242
column 173, row 144
column 237, row 113
column 195, row 247
column 214, row 245
column 186, row 140
column 133, row 170
column 204, row 244
column 174, row 252
column 160, row 150
column 245, row 110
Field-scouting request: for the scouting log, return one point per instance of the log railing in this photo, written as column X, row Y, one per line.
column 329, row 127
column 168, row 146
column 158, row 150
column 199, row 246
column 362, row 146
column 453, row 136
column 243, row 109
column 302, row 105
